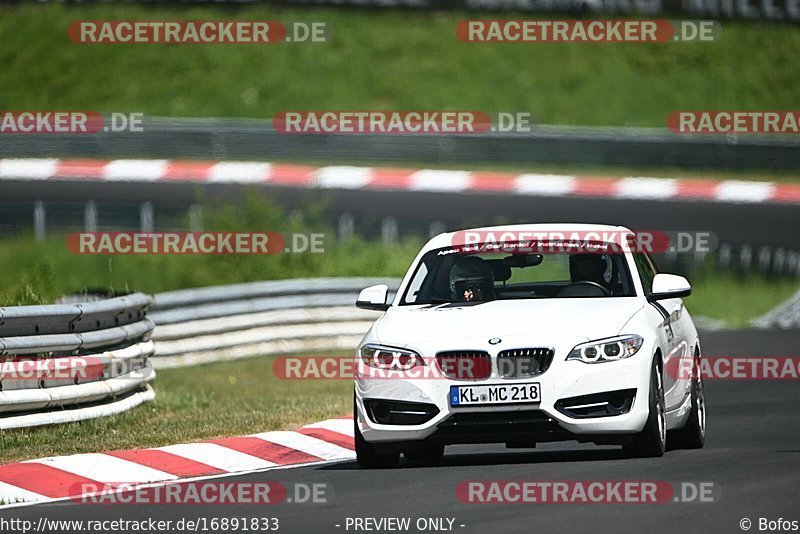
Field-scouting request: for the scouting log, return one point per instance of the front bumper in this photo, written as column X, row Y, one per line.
column 571, row 406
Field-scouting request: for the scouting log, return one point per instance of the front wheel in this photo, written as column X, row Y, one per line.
column 693, row 435
column 651, row 442
column 369, row 455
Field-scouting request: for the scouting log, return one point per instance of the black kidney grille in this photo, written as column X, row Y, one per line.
column 465, row 364
column 520, row 363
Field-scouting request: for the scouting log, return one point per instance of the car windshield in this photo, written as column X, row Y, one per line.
column 476, row 274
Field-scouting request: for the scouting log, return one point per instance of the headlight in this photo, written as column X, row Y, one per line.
column 389, row 358
column 606, row 350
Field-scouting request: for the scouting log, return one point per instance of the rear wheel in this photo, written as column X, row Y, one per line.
column 369, row 455
column 652, row 440
column 693, row 435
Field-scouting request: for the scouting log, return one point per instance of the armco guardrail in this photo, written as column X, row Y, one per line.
column 111, row 335
column 241, row 139
column 237, row 321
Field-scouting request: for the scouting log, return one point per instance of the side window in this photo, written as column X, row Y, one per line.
column 646, row 271
column 416, row 283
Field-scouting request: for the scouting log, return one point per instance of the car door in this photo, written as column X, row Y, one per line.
column 674, row 334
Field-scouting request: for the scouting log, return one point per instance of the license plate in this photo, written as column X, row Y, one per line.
column 495, row 394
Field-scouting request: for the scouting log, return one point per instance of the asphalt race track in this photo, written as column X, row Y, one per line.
column 760, row 223
column 752, row 456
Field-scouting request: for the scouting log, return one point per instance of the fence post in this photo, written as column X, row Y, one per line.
column 745, row 257
column 764, row 259
column 146, row 217
column 436, row 228
column 389, row 230
column 793, row 263
column 196, row 217
column 39, row 221
column 725, row 255
column 778, row 262
column 347, row 226
column 90, row 216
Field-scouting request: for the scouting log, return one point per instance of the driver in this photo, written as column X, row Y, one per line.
column 471, row 280
column 588, row 268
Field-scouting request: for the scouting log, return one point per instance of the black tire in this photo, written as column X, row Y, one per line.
column 431, row 453
column 693, row 435
column 651, row 442
column 369, row 455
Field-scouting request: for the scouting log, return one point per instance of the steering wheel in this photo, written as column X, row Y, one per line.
column 565, row 291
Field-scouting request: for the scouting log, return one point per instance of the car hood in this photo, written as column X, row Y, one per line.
column 590, row 318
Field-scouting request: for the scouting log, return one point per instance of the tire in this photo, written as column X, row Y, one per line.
column 431, row 453
column 651, row 442
column 693, row 435
column 369, row 455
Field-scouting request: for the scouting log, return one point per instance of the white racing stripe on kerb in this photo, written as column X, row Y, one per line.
column 28, row 169
column 640, row 187
column 104, row 468
column 307, row 444
column 239, row 172
column 544, row 184
column 342, row 426
column 11, row 494
column 431, row 180
column 135, row 170
column 341, row 177
column 739, row 191
column 217, row 456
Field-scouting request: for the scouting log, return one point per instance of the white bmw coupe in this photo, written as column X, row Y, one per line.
column 528, row 334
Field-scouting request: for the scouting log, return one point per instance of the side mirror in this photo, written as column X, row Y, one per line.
column 374, row 298
column 669, row 286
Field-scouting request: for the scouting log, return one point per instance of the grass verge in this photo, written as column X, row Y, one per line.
column 38, row 273
column 736, row 300
column 192, row 404
column 386, row 59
